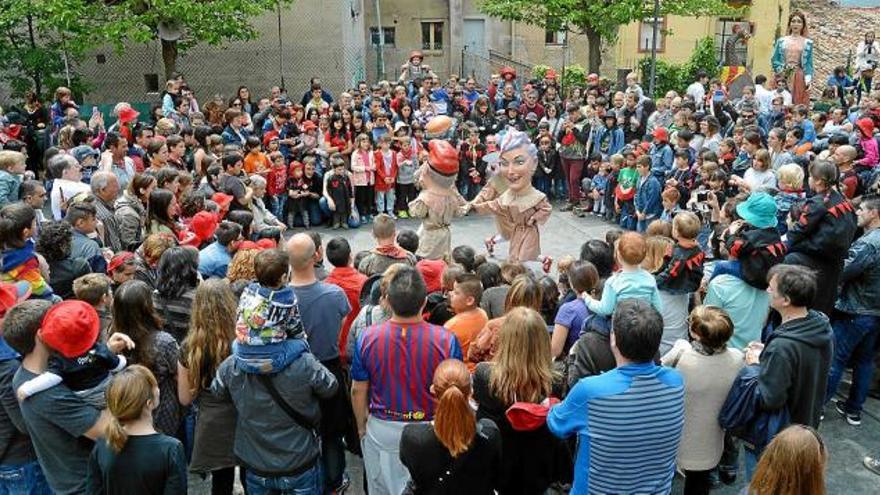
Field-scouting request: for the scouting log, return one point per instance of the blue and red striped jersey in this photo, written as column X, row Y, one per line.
column 398, row 360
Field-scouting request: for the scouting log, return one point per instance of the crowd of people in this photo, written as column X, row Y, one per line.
column 169, row 311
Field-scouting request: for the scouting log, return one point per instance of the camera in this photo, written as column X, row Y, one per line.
column 702, row 196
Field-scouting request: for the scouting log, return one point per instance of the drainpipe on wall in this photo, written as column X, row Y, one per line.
column 513, row 40
column 380, row 57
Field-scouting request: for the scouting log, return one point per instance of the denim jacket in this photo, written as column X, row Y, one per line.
column 860, row 280
column 778, row 59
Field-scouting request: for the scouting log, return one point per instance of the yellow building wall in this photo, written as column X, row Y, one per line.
column 684, row 32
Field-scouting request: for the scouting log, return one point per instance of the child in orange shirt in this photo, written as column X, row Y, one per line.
column 255, row 161
column 469, row 319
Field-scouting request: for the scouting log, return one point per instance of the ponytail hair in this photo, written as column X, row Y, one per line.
column 129, row 393
column 14, row 219
column 455, row 423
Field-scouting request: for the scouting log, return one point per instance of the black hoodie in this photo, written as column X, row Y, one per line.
column 794, row 368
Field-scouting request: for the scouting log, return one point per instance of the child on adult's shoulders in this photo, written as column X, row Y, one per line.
column 632, row 281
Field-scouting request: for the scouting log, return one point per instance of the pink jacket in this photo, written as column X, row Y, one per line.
column 363, row 168
column 869, row 146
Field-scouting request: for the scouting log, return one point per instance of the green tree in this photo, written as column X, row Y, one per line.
column 206, row 21
column 40, row 39
column 676, row 77
column 598, row 20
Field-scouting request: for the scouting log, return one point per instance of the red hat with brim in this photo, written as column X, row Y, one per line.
column 443, row 157
column 203, row 225
column 127, row 115
column 661, row 133
column 70, row 328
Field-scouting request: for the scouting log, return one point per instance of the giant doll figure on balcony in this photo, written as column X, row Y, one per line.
column 793, row 59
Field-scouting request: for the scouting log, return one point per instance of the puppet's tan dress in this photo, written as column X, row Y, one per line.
column 436, row 209
column 518, row 218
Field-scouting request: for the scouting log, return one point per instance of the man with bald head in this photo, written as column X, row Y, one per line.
column 323, row 307
column 105, row 189
column 845, row 156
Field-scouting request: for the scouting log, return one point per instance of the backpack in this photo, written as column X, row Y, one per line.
column 757, row 250
column 742, row 416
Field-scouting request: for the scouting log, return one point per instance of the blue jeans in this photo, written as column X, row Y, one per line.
column 751, row 463
column 628, row 215
column 268, row 358
column 855, row 341
column 307, row 483
column 385, row 201
column 23, row 479
column 542, row 184
column 279, row 201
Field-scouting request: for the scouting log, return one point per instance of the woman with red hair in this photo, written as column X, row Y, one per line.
column 456, row 453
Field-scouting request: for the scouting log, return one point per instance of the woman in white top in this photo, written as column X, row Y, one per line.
column 709, row 368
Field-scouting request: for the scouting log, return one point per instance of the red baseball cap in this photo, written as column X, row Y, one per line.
column 661, row 133
column 70, row 327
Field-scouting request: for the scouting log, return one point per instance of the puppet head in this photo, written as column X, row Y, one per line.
column 517, row 160
column 440, row 127
column 442, row 168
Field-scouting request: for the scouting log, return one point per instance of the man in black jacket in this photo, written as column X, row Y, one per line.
column 796, row 356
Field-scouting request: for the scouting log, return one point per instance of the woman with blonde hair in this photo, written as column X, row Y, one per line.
column 207, row 344
column 793, row 464
column 456, row 453
column 658, row 246
column 522, row 372
column 525, row 291
column 133, row 458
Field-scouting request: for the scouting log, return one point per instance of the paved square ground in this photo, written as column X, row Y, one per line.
column 563, row 234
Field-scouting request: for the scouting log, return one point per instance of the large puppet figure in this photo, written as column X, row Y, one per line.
column 793, row 59
column 520, row 209
column 438, row 202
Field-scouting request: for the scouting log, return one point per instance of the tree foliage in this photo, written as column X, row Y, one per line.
column 599, row 20
column 37, row 36
column 207, row 21
column 676, row 77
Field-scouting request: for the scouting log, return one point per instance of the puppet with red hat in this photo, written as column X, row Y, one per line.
column 438, row 202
